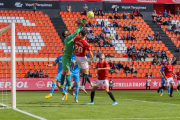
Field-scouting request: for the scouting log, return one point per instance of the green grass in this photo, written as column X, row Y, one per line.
column 131, row 104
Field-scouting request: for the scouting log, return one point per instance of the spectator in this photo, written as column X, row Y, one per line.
column 133, row 49
column 179, row 47
column 169, row 14
column 127, row 69
column 120, row 65
column 115, row 66
column 164, row 60
column 110, row 64
column 124, row 37
column 92, row 36
column 89, row 24
column 151, row 50
column 141, row 55
column 85, row 8
column 131, row 46
column 132, row 16
column 133, row 37
column 169, row 27
column 94, row 24
column 177, row 11
column 135, row 12
column 165, row 14
column 106, row 30
column 89, row 37
column 158, row 19
column 102, row 23
column 139, row 13
column 89, row 30
column 115, row 9
column 36, row 74
column 106, row 43
column 129, row 27
column 110, row 37
column 174, row 61
column 115, row 24
column 124, row 16
column 110, row 43
column 128, row 36
column 125, row 28
column 130, row 54
column 102, row 36
column 163, row 54
column 154, row 14
column 116, row 36
column 132, row 69
column 34, row 7
column 95, row 11
column 165, row 22
column 69, row 8
column 134, row 27
column 100, row 12
column 151, row 75
column 30, row 74
column 41, row 73
column 150, row 38
column 101, row 43
column 155, row 61
column 158, row 54
column 110, row 84
column 91, row 10
column 116, row 16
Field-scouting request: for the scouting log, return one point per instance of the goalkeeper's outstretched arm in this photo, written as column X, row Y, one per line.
column 5, row 29
column 75, row 33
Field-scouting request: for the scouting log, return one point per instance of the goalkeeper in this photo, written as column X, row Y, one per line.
column 66, row 59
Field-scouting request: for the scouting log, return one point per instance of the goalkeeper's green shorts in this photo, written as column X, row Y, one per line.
column 66, row 62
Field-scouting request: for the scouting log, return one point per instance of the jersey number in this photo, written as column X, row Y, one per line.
column 79, row 49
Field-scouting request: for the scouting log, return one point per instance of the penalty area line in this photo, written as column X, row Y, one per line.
column 24, row 112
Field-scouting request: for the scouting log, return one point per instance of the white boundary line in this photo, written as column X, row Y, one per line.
column 40, row 118
column 129, row 118
column 143, row 101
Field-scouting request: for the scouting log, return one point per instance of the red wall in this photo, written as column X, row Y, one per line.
column 161, row 7
column 158, row 8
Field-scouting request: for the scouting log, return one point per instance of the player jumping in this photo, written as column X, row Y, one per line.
column 163, row 81
column 103, row 70
column 81, row 46
column 57, row 79
column 178, row 80
column 66, row 59
column 168, row 76
column 75, row 73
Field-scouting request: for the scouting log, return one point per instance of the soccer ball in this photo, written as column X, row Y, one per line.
column 90, row 15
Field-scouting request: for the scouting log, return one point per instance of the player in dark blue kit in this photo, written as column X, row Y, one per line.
column 57, row 79
column 75, row 70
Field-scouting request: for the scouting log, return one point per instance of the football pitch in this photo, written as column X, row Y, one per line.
column 132, row 104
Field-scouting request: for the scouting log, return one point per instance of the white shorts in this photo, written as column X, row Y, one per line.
column 178, row 82
column 168, row 81
column 82, row 62
column 102, row 82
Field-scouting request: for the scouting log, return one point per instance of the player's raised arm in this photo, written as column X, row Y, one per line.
column 106, row 68
column 73, row 64
column 54, row 63
column 81, row 24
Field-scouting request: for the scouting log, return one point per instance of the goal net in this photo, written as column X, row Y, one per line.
column 7, row 66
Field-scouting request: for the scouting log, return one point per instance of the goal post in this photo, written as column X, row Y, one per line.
column 13, row 67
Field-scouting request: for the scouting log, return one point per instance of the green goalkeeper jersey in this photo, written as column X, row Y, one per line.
column 69, row 42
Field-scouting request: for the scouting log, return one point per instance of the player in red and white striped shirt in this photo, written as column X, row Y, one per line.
column 81, row 46
column 178, row 80
column 103, row 70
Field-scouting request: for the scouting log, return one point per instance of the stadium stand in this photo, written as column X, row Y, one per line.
column 36, row 37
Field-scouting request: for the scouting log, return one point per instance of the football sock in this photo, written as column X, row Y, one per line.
column 88, row 79
column 178, row 87
column 65, row 88
column 161, row 91
column 68, row 80
column 62, row 80
column 76, row 90
column 169, row 89
column 52, row 88
column 92, row 95
column 84, row 79
column 149, row 87
column 111, row 96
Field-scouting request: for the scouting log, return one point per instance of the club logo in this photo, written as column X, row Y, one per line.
column 40, row 84
column 147, row 1
column 18, row 4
